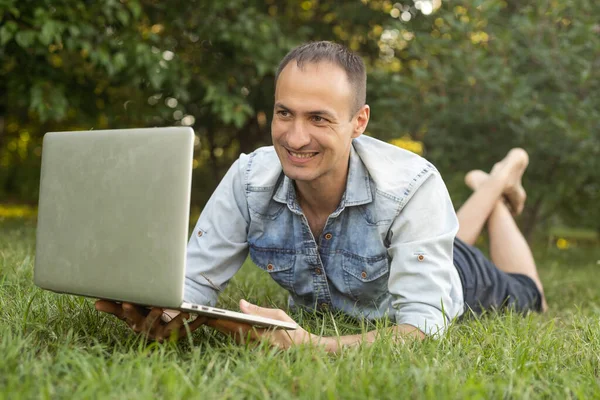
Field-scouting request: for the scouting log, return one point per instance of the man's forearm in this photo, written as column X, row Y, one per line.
column 398, row 333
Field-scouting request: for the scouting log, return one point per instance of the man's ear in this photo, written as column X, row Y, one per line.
column 361, row 121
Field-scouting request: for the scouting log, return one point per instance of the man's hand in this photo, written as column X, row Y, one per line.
column 150, row 322
column 285, row 339
column 280, row 338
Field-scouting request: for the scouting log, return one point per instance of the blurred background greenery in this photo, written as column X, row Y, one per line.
column 458, row 81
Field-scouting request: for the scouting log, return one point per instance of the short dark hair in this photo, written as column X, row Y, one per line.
column 324, row 51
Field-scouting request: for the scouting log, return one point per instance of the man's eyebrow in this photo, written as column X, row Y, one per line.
column 322, row 113
column 279, row 105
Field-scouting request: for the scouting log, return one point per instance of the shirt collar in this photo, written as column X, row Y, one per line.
column 286, row 194
column 358, row 187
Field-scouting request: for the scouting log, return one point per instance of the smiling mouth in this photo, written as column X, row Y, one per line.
column 302, row 155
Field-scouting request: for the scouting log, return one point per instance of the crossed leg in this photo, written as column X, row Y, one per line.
column 509, row 250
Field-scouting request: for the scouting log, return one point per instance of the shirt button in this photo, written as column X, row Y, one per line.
column 420, row 257
column 318, row 271
column 363, row 274
column 270, row 267
column 328, row 236
column 200, row 233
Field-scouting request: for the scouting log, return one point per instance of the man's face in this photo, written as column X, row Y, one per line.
column 312, row 126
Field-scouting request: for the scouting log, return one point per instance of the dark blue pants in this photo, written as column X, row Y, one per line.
column 485, row 287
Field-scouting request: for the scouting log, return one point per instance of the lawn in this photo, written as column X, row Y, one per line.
column 58, row 346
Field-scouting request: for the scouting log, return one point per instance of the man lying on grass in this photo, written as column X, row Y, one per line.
column 348, row 223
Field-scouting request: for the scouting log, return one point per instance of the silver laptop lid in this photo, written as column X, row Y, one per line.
column 113, row 214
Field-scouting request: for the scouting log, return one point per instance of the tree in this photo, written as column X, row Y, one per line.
column 75, row 65
column 206, row 64
column 469, row 80
column 481, row 77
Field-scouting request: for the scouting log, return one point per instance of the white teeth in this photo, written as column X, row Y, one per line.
column 302, row 155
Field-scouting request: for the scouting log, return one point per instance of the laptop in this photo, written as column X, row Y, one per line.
column 113, row 218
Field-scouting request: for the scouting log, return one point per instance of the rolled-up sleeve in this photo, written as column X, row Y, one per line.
column 218, row 245
column 422, row 273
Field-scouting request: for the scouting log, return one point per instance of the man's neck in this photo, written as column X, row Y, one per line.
column 321, row 198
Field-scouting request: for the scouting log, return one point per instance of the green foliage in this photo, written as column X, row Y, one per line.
column 470, row 80
column 53, row 52
column 481, row 77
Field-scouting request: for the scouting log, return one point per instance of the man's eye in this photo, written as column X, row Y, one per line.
column 318, row 119
column 283, row 113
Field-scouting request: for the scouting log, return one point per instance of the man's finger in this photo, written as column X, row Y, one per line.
column 109, row 307
column 257, row 333
column 133, row 316
column 152, row 321
column 237, row 330
column 227, row 327
column 174, row 325
column 273, row 313
column 195, row 324
column 192, row 326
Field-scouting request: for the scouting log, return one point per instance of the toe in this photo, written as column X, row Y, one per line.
column 475, row 178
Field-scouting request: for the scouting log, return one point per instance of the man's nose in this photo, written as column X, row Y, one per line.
column 298, row 136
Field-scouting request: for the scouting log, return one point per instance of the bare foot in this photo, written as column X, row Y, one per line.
column 511, row 169
column 475, row 178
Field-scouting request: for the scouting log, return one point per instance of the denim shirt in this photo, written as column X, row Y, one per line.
column 385, row 251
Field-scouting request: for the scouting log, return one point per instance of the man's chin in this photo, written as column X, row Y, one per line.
column 299, row 174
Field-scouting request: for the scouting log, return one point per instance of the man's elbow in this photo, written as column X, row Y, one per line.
column 409, row 331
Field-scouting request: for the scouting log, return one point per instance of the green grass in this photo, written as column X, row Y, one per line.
column 57, row 346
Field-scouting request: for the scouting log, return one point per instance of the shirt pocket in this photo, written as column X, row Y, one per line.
column 279, row 264
column 262, row 206
column 366, row 278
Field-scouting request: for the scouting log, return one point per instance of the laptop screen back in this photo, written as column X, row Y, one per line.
column 113, row 214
